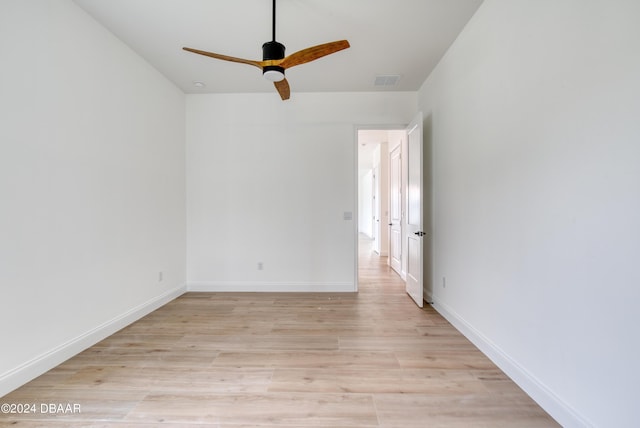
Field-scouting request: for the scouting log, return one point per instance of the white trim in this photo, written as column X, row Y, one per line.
column 31, row 369
column 271, row 287
column 356, row 210
column 539, row 392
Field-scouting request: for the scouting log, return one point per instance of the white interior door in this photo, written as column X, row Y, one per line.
column 415, row 206
column 395, row 210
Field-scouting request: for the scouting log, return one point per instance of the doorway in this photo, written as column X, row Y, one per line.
column 374, row 210
column 383, row 202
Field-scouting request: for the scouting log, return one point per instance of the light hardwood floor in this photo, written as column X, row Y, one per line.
column 372, row 359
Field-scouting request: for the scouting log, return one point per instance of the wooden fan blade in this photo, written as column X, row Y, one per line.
column 226, row 58
column 283, row 89
column 313, row 53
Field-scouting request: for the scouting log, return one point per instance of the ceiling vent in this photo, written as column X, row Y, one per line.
column 386, row 80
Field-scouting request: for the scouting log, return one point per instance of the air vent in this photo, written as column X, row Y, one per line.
column 386, row 80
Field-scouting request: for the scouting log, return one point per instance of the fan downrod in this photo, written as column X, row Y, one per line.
column 273, row 51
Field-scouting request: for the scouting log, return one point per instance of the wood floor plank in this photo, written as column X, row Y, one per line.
column 123, row 356
column 248, row 360
column 465, row 410
column 170, row 379
column 261, row 342
column 398, row 381
column 315, row 410
column 444, row 359
column 372, row 360
column 406, row 343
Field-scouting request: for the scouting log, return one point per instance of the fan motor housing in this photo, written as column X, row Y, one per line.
column 272, row 50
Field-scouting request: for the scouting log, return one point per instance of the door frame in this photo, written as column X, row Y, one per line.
column 375, row 208
column 356, row 145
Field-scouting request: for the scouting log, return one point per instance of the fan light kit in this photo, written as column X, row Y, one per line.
column 274, row 63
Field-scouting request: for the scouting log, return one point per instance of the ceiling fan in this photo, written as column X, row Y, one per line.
column 274, row 63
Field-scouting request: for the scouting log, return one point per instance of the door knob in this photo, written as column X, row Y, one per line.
column 419, row 233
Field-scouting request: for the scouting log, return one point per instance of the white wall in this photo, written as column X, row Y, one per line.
column 365, row 203
column 536, row 146
column 269, row 182
column 92, row 186
column 381, row 161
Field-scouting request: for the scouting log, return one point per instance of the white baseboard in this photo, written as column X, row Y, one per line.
column 271, row 287
column 28, row 371
column 541, row 394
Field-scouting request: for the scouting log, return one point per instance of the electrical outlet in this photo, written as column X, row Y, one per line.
column 444, row 282
column 260, row 266
column 160, row 276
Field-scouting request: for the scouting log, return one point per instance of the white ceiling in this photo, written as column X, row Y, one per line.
column 400, row 37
